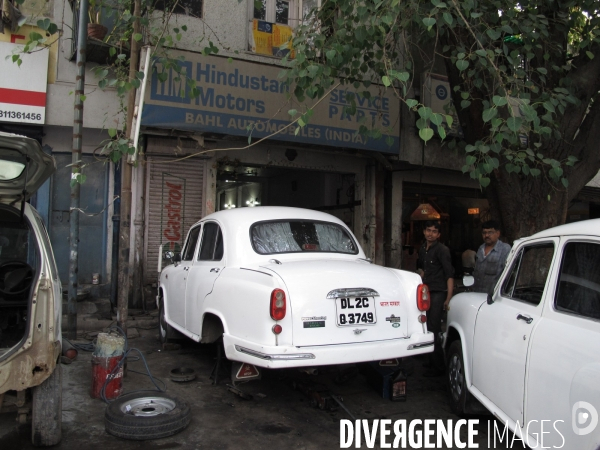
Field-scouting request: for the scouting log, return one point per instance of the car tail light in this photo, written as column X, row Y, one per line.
column 277, row 304
column 423, row 297
column 277, row 329
column 422, row 318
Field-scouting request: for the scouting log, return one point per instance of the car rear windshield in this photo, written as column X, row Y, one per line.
column 295, row 236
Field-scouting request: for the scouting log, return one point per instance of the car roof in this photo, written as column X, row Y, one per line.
column 254, row 214
column 236, row 225
column 585, row 227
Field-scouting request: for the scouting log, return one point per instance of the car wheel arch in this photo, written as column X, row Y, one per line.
column 213, row 328
column 455, row 334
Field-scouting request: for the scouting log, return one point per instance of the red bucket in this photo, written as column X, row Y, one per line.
column 108, row 352
column 102, row 370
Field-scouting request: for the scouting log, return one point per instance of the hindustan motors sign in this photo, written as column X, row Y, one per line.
column 238, row 94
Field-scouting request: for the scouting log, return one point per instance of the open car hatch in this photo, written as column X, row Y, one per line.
column 23, row 167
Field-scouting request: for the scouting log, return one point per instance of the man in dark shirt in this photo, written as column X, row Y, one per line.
column 435, row 267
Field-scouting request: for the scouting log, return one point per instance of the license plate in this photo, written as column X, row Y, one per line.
column 355, row 311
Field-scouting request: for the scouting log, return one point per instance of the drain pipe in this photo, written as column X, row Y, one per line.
column 76, row 169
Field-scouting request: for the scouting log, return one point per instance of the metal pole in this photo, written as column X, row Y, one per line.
column 76, row 169
column 125, row 232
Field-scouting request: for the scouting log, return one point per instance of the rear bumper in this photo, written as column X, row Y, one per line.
column 280, row 357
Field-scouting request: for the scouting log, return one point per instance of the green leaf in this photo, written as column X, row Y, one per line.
column 565, row 182
column 470, row 159
column 448, row 18
column 462, row 64
column 449, row 120
column 112, row 51
column 591, row 56
column 436, row 119
column 484, row 181
column 499, row 101
column 428, row 22
column 514, row 123
column 386, row 81
column 112, row 132
column 465, row 104
column 411, row 102
column 535, row 172
column 330, row 54
column 426, row 134
column 493, row 34
column 549, row 106
column 82, row 98
column 138, row 37
column 403, row 76
column 489, row 114
column 292, row 112
column 425, row 112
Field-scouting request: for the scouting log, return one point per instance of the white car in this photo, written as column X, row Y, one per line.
column 30, row 293
column 530, row 352
column 289, row 287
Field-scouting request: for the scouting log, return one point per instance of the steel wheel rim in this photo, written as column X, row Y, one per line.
column 148, row 406
column 456, row 377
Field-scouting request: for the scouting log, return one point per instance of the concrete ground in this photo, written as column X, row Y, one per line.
column 277, row 415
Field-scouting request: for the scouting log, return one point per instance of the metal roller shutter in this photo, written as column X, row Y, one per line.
column 175, row 193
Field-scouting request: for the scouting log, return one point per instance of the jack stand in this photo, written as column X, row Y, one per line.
column 217, row 368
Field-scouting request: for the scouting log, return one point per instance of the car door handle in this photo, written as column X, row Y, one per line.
column 525, row 318
column 215, row 269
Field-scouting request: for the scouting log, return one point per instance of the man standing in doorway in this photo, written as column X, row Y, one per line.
column 435, row 267
column 490, row 259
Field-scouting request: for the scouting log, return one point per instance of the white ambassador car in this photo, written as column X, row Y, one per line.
column 530, row 352
column 288, row 287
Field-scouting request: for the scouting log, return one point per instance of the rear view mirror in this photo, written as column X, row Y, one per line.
column 172, row 257
column 468, row 280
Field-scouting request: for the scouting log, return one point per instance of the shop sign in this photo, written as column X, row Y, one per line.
column 268, row 38
column 248, row 99
column 173, row 199
column 437, row 96
column 23, row 88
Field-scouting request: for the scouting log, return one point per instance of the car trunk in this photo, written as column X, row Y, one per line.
column 24, row 167
column 319, row 320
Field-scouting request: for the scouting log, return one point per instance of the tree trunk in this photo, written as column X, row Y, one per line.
column 525, row 204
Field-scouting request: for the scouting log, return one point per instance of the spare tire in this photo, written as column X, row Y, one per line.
column 145, row 416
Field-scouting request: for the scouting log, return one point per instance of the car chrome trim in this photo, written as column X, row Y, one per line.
column 352, row 292
column 292, row 356
column 419, row 345
column 258, row 271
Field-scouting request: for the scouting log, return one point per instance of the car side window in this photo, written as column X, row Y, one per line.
column 212, row 243
column 528, row 273
column 190, row 245
column 578, row 289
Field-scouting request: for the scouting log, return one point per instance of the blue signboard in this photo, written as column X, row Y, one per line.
column 247, row 99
